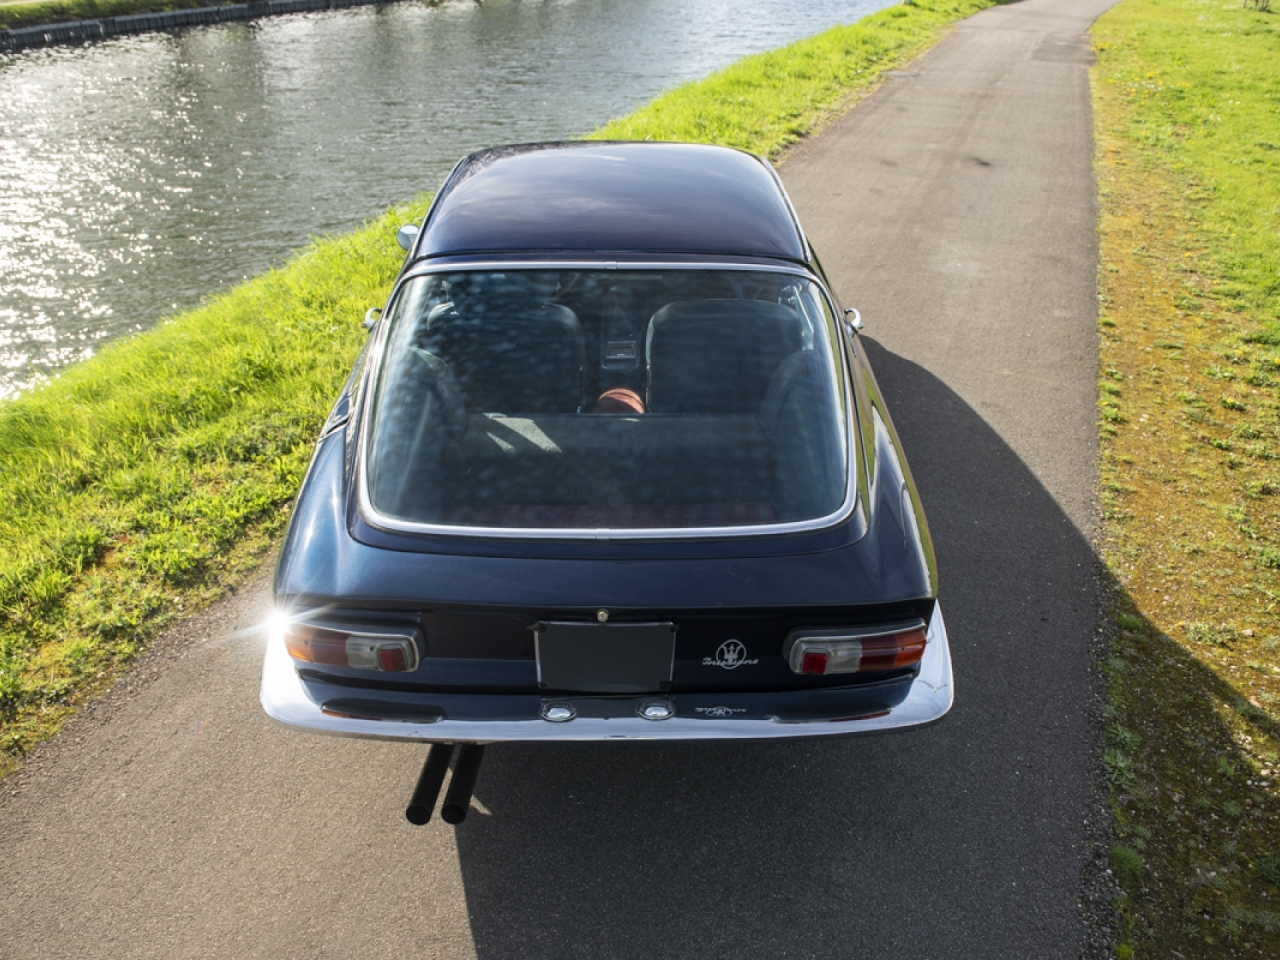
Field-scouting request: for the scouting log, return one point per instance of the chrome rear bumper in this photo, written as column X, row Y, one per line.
column 297, row 702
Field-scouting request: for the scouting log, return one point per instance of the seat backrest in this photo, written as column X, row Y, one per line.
column 717, row 356
column 510, row 350
column 420, row 413
column 807, row 478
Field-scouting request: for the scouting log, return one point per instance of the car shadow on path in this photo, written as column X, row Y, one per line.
column 967, row 839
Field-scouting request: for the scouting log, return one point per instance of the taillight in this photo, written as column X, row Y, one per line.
column 861, row 650
column 358, row 650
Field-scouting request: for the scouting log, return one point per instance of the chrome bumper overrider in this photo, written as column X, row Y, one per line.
column 296, row 702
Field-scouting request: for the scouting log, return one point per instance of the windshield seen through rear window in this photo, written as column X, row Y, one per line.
column 608, row 399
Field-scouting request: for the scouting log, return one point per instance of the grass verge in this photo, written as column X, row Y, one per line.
column 16, row 15
column 145, row 482
column 1187, row 118
column 765, row 103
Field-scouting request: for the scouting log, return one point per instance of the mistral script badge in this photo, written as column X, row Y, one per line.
column 730, row 655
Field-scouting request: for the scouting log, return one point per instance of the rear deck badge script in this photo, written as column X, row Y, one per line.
column 719, row 711
column 729, row 655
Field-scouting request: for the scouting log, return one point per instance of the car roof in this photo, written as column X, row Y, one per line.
column 600, row 198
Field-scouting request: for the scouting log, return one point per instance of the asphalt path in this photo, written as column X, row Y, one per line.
column 955, row 208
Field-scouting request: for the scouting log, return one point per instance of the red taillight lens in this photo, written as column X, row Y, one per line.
column 354, row 649
column 826, row 652
column 392, row 658
column 815, row 661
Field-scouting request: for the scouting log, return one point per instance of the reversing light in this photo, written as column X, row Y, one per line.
column 657, row 710
column 355, row 649
column 821, row 653
column 558, row 712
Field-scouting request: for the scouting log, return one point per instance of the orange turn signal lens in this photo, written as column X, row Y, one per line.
column 903, row 649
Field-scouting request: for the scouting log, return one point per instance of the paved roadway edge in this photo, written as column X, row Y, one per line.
column 1098, row 888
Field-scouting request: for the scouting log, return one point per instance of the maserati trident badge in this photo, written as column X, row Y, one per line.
column 729, row 656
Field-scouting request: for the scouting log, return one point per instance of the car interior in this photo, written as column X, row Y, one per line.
column 591, row 399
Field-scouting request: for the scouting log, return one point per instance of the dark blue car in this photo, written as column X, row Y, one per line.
column 612, row 466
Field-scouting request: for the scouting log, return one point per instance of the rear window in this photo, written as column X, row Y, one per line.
column 608, row 400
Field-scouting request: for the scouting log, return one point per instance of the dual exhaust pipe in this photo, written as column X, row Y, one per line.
column 457, row 801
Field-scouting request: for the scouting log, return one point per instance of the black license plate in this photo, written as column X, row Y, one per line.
column 605, row 658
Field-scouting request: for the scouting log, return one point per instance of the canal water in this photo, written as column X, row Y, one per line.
column 143, row 174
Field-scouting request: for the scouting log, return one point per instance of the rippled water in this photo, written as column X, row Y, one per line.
column 142, row 174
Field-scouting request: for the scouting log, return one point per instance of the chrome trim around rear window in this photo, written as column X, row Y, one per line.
column 391, row 524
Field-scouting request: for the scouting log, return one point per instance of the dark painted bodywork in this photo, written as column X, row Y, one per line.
column 598, row 199
column 476, row 599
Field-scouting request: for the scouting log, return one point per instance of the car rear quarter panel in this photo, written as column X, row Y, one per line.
column 323, row 563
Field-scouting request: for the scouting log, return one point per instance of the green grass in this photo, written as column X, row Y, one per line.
column 15, row 15
column 30, row 13
column 1187, row 109
column 145, row 482
column 141, row 483
column 767, row 102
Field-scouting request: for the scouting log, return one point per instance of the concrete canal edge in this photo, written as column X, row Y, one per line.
column 77, row 31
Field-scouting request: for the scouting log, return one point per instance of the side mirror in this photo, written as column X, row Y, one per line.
column 406, row 235
column 852, row 320
column 371, row 317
